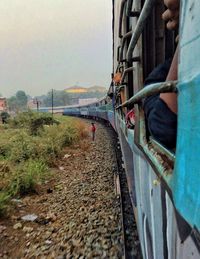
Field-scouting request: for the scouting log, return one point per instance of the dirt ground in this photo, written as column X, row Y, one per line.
column 78, row 213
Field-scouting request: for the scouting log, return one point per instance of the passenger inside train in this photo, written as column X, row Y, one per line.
column 161, row 110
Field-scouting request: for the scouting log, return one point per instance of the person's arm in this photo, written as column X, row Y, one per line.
column 171, row 16
column 171, row 98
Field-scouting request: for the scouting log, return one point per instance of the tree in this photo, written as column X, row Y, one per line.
column 60, row 98
column 12, row 103
column 21, row 99
column 18, row 102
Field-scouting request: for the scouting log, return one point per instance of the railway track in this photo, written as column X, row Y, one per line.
column 131, row 244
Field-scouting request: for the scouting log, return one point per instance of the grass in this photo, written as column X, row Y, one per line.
column 29, row 146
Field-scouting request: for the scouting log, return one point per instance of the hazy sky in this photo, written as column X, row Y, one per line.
column 48, row 44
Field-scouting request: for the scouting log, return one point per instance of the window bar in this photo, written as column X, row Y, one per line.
column 129, row 12
column 120, row 87
column 146, row 10
column 129, row 7
column 121, row 17
column 118, row 53
column 125, row 37
column 121, row 49
column 152, row 89
column 128, row 70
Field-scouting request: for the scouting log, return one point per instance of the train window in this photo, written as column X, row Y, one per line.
column 136, row 63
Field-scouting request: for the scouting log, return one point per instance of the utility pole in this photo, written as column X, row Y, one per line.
column 52, row 101
column 37, row 103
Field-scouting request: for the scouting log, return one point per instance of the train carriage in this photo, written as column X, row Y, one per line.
column 163, row 184
column 165, row 195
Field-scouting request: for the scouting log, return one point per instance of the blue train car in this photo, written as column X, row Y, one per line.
column 163, row 183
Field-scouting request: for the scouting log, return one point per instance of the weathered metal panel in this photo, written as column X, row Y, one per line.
column 186, row 178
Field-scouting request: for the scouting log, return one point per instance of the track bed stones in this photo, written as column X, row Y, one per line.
column 79, row 218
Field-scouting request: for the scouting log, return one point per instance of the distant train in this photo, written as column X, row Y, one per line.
column 164, row 185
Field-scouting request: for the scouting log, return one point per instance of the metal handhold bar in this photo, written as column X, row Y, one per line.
column 120, row 88
column 149, row 90
column 125, row 37
column 129, row 7
column 146, row 10
column 130, row 69
column 121, row 17
column 129, row 12
column 133, row 59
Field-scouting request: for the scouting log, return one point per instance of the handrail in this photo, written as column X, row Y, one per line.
column 146, row 10
column 121, row 17
column 126, row 36
column 129, row 7
column 129, row 12
column 120, row 87
column 118, row 53
column 133, row 59
column 164, row 87
column 125, row 72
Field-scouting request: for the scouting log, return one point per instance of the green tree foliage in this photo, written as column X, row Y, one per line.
column 60, row 98
column 21, row 98
column 18, row 102
column 12, row 103
column 33, row 122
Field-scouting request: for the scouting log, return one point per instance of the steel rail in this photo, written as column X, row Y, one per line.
column 152, row 89
column 125, row 37
column 120, row 87
column 133, row 59
column 129, row 7
column 146, row 10
column 129, row 12
column 126, row 71
column 121, row 17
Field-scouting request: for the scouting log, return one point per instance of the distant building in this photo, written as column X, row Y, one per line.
column 80, row 90
column 3, row 104
column 31, row 104
column 85, row 95
column 76, row 90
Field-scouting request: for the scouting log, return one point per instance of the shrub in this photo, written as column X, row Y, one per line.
column 27, row 177
column 22, row 147
column 4, row 199
column 26, row 156
column 5, row 116
column 32, row 121
column 82, row 130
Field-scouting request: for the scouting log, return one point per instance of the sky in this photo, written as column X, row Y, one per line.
column 54, row 44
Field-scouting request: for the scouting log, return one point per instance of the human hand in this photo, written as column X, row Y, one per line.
column 171, row 15
column 117, row 78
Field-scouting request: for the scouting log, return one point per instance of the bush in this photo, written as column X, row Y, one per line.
column 27, row 177
column 5, row 116
column 22, row 147
column 4, row 199
column 25, row 156
column 32, row 121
